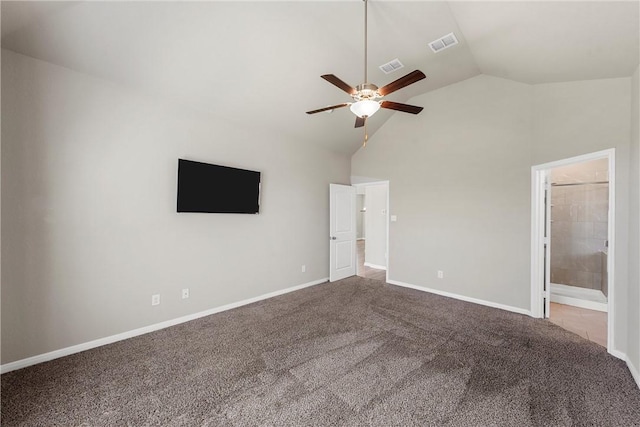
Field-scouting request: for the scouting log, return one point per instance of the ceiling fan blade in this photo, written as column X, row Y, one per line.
column 405, row 108
column 339, row 83
column 360, row 121
column 333, row 107
column 410, row 78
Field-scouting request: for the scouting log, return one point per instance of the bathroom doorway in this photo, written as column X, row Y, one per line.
column 572, row 281
column 579, row 233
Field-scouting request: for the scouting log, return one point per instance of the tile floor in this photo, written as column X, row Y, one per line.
column 589, row 324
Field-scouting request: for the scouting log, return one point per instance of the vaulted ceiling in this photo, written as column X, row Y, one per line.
column 259, row 63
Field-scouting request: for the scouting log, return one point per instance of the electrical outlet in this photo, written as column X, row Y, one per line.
column 304, row 268
column 440, row 274
column 185, row 293
column 155, row 299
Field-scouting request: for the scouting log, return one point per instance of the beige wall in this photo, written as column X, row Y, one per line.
column 460, row 177
column 376, row 225
column 90, row 229
column 634, row 227
column 360, row 214
column 459, row 184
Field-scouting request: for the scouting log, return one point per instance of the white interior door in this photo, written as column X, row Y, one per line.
column 342, row 231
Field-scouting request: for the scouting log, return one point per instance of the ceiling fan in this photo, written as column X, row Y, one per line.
column 366, row 95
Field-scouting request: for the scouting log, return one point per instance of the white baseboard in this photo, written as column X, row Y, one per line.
column 634, row 371
column 379, row 267
column 591, row 299
column 578, row 292
column 463, row 298
column 589, row 305
column 23, row 363
column 617, row 353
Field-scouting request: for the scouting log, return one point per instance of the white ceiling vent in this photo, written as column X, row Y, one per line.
column 392, row 66
column 443, row 42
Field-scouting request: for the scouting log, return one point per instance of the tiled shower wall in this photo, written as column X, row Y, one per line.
column 579, row 215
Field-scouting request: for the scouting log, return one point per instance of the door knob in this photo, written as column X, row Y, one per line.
column 334, row 238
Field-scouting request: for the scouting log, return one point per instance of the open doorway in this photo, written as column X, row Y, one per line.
column 573, row 212
column 579, row 230
column 372, row 229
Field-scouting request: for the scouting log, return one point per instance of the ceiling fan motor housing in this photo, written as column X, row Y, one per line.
column 366, row 92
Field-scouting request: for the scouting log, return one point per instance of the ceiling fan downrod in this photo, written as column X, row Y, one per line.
column 366, row 80
column 365, row 42
column 366, row 96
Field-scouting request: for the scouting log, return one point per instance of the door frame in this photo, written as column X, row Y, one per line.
column 387, row 220
column 538, row 179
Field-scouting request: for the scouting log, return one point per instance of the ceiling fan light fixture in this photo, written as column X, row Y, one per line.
column 365, row 96
column 365, row 108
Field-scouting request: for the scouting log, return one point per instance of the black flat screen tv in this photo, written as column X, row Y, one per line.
column 203, row 187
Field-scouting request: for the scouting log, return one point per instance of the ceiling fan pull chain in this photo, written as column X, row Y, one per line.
column 366, row 137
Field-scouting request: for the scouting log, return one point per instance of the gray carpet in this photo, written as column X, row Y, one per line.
column 354, row 352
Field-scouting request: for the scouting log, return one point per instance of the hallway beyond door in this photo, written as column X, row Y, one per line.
column 364, row 271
